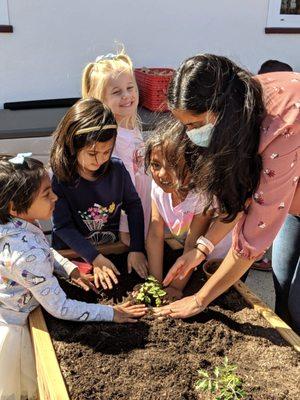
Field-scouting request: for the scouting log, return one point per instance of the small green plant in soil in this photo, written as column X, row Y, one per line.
column 151, row 293
column 223, row 382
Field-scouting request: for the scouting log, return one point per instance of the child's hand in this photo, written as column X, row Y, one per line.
column 183, row 265
column 136, row 260
column 128, row 313
column 82, row 280
column 104, row 272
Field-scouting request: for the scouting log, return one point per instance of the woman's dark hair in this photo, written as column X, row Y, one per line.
column 85, row 113
column 170, row 138
column 229, row 168
column 19, row 185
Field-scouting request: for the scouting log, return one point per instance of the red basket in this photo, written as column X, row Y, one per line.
column 153, row 85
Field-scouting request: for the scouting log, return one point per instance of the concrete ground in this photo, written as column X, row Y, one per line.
column 261, row 283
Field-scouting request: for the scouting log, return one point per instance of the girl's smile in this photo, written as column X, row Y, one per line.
column 121, row 95
column 161, row 172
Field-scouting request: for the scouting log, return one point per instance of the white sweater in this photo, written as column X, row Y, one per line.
column 26, row 278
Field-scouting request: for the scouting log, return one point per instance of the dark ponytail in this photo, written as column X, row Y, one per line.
column 230, row 167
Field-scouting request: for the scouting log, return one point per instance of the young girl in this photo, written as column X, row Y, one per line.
column 92, row 188
column 111, row 80
column 26, row 274
column 174, row 204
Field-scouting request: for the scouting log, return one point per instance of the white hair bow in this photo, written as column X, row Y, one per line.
column 109, row 56
column 20, row 158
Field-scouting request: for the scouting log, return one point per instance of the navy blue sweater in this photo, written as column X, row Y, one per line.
column 87, row 213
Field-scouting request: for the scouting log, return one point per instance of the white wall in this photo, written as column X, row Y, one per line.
column 54, row 39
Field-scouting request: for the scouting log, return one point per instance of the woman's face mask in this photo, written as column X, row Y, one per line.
column 201, row 136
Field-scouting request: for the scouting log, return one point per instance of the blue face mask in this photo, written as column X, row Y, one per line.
column 201, row 136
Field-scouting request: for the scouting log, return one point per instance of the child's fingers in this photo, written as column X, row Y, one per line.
column 107, row 280
column 141, row 270
column 183, row 272
column 174, row 272
column 131, row 320
column 102, row 281
column 129, row 268
column 90, row 277
column 115, row 269
column 97, row 280
column 112, row 275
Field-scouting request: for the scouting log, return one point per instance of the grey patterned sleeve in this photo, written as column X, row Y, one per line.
column 33, row 270
column 62, row 265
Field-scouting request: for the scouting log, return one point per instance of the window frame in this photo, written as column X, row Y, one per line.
column 281, row 23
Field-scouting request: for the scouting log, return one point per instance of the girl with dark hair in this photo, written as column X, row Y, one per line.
column 176, row 207
column 26, row 274
column 248, row 129
column 92, row 189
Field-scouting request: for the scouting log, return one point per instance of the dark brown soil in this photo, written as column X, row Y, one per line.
column 159, row 360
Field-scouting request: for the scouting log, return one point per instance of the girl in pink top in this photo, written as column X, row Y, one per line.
column 181, row 211
column 111, row 79
column 248, row 130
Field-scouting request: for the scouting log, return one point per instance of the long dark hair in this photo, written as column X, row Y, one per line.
column 230, row 167
column 85, row 113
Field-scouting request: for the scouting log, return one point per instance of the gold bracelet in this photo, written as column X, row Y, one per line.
column 201, row 307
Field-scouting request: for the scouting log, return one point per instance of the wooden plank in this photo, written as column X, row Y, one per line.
column 105, row 249
column 283, row 329
column 51, row 385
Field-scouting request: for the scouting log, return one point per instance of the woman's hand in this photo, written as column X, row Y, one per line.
column 105, row 272
column 128, row 313
column 137, row 261
column 183, row 265
column 82, row 280
column 184, row 308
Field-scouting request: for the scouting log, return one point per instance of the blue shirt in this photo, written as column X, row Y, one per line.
column 87, row 213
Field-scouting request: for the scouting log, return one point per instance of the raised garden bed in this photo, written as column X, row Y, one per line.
column 155, row 359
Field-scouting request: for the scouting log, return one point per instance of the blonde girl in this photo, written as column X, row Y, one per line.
column 111, row 79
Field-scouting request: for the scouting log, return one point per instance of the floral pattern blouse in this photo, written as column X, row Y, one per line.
column 279, row 191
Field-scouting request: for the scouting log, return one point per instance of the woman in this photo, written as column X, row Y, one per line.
column 248, row 130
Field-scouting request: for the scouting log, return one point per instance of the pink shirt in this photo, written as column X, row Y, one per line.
column 278, row 192
column 179, row 218
column 129, row 147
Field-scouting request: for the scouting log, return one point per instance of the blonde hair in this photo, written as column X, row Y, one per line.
column 96, row 75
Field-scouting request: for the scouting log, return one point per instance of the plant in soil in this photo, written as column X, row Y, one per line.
column 151, row 293
column 223, row 382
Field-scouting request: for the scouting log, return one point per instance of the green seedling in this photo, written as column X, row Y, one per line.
column 223, row 382
column 151, row 293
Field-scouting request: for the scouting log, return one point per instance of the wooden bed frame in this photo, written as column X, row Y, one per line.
column 51, row 384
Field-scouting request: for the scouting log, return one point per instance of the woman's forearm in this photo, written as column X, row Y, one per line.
column 218, row 230
column 229, row 272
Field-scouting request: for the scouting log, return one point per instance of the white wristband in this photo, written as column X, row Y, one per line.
column 207, row 243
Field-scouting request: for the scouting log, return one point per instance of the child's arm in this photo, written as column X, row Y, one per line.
column 155, row 243
column 64, row 267
column 134, row 210
column 33, row 270
column 198, row 227
column 133, row 207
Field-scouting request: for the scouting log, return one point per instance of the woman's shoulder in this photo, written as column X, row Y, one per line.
column 280, row 91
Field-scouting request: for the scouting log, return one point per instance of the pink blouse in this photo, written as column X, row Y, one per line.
column 278, row 192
